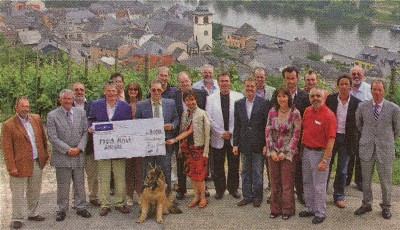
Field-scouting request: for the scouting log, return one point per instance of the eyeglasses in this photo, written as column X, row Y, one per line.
column 133, row 89
column 156, row 90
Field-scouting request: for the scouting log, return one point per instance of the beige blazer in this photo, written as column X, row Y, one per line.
column 201, row 128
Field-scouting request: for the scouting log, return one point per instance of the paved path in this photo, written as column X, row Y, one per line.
column 219, row 214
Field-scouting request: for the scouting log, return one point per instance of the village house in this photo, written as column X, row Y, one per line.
column 243, row 38
column 377, row 60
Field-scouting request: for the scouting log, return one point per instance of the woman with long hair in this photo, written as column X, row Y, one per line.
column 282, row 135
column 133, row 173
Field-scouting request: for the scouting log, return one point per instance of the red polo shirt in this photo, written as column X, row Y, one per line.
column 318, row 126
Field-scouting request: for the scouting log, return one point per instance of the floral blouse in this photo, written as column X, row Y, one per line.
column 283, row 136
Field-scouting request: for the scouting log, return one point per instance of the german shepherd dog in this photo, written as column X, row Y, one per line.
column 154, row 196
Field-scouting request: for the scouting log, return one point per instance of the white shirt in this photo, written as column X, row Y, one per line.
column 363, row 93
column 341, row 114
column 29, row 129
column 249, row 107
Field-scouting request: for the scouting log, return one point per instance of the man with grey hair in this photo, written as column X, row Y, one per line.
column 208, row 83
column 263, row 90
column 362, row 91
column 91, row 170
column 67, row 130
column 317, row 119
column 24, row 145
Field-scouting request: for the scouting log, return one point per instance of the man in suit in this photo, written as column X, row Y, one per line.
column 251, row 115
column 301, row 102
column 92, row 174
column 157, row 106
column 378, row 121
column 111, row 108
column 67, row 130
column 24, row 145
column 220, row 108
column 344, row 106
column 362, row 91
column 185, row 84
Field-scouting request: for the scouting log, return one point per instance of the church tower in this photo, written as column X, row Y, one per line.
column 202, row 28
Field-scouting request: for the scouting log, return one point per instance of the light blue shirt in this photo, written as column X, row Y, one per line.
column 200, row 85
column 363, row 93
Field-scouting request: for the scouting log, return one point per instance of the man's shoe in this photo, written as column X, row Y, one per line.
column 362, row 210
column 60, row 216
column 104, row 211
column 207, row 192
column 257, row 203
column 122, row 209
column 301, row 200
column 84, row 213
column 269, row 199
column 95, row 202
column 235, row 194
column 17, row 224
column 340, row 204
column 386, row 214
column 243, row 202
column 36, row 218
column 306, row 214
column 318, row 220
column 180, row 195
column 218, row 196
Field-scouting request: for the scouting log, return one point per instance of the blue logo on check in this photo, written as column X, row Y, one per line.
column 103, row 127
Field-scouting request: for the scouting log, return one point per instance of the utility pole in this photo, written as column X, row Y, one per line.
column 392, row 89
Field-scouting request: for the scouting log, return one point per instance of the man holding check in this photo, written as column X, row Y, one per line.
column 111, row 109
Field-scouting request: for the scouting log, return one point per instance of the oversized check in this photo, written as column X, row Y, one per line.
column 130, row 138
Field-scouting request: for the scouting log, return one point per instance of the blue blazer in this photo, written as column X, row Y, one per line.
column 144, row 110
column 249, row 134
column 98, row 112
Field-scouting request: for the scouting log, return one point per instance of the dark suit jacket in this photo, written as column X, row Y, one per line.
column 98, row 112
column 144, row 110
column 201, row 100
column 301, row 101
column 352, row 135
column 89, row 146
column 249, row 134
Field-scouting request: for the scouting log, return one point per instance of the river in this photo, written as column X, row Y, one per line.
column 345, row 38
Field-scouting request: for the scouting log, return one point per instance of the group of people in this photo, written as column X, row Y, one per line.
column 295, row 133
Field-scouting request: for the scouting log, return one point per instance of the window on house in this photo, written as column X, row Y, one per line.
column 196, row 19
column 205, row 20
column 205, row 33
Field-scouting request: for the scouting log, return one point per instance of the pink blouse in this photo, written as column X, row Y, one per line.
column 283, row 136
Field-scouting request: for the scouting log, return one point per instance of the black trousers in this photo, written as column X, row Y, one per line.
column 180, row 162
column 354, row 163
column 298, row 177
column 222, row 183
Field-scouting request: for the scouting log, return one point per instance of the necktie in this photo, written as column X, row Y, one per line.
column 376, row 112
column 156, row 109
column 69, row 116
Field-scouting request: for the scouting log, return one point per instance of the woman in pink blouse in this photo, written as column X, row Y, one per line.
column 282, row 135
